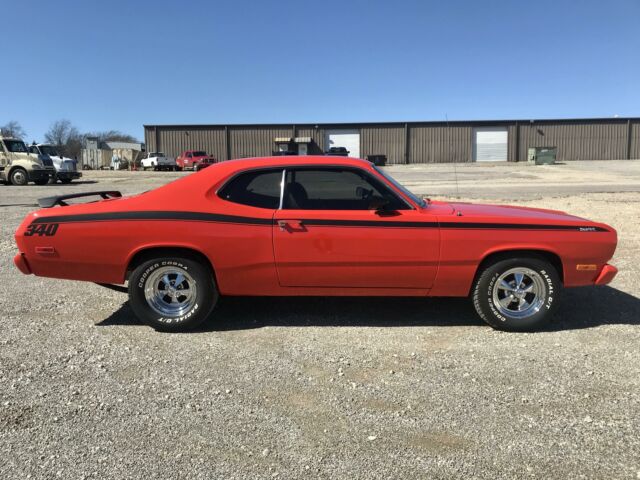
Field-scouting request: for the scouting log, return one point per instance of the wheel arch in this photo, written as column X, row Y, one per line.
column 501, row 254
column 154, row 251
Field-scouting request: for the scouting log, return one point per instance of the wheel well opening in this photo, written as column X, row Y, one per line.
column 550, row 257
column 157, row 252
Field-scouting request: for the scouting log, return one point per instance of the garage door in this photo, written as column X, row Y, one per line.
column 490, row 144
column 350, row 139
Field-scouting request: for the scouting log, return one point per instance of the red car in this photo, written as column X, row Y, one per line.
column 204, row 163
column 190, row 159
column 312, row 225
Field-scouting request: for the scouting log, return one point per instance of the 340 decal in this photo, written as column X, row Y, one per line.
column 42, row 230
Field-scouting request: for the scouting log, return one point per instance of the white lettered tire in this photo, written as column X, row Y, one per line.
column 517, row 294
column 172, row 293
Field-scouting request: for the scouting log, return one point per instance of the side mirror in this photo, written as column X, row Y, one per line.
column 379, row 204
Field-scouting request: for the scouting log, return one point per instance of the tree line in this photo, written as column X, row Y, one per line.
column 66, row 137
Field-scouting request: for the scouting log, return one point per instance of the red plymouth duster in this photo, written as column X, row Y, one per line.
column 312, row 225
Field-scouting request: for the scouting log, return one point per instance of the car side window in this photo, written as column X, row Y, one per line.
column 337, row 189
column 257, row 189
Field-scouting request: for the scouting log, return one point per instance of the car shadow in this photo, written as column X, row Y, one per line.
column 71, row 184
column 584, row 307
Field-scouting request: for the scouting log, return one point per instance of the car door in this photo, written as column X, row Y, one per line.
column 345, row 227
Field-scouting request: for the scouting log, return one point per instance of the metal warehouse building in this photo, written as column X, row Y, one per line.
column 410, row 142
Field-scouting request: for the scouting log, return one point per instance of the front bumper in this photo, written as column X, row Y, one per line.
column 35, row 175
column 64, row 175
column 606, row 275
column 21, row 262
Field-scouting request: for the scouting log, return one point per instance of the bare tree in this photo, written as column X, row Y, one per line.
column 13, row 129
column 66, row 137
column 112, row 136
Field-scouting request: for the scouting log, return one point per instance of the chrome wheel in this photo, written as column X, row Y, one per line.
column 519, row 292
column 170, row 291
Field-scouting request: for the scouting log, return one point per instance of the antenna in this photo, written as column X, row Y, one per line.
column 455, row 167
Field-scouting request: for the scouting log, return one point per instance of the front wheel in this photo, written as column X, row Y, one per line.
column 65, row 180
column 19, row 177
column 172, row 293
column 517, row 294
column 42, row 181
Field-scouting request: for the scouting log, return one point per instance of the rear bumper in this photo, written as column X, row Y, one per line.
column 21, row 262
column 606, row 274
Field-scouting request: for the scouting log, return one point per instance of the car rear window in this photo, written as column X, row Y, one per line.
column 257, row 189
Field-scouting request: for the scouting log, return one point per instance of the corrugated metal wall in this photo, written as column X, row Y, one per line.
column 577, row 141
column 255, row 141
column 635, row 140
column 435, row 142
column 175, row 140
column 440, row 144
column 383, row 140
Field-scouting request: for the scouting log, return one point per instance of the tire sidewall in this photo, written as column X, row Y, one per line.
column 206, row 296
column 483, row 295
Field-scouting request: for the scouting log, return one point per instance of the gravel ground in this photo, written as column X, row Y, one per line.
column 329, row 388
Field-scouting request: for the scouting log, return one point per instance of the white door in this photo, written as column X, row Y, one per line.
column 490, row 144
column 350, row 139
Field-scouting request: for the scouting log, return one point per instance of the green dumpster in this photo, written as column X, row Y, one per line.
column 542, row 155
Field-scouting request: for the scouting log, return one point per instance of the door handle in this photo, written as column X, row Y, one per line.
column 290, row 225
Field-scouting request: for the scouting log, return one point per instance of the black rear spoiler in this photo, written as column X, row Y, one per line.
column 49, row 202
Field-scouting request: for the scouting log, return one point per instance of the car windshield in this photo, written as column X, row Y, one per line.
column 199, row 154
column 399, row 186
column 49, row 150
column 156, row 154
column 16, row 146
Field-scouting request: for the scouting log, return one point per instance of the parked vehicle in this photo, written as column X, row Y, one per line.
column 158, row 161
column 189, row 159
column 204, row 163
column 19, row 167
column 66, row 168
column 338, row 151
column 290, row 226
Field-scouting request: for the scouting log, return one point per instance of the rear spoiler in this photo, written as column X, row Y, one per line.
column 49, row 202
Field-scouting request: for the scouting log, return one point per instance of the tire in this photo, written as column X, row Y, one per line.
column 65, row 180
column 165, row 312
column 19, row 177
column 522, row 308
column 41, row 181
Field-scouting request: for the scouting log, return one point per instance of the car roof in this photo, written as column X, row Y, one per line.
column 295, row 160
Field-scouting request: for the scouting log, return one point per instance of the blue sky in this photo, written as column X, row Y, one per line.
column 122, row 64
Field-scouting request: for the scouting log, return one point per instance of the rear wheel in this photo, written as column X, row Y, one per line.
column 19, row 177
column 172, row 293
column 65, row 180
column 517, row 294
column 41, row 181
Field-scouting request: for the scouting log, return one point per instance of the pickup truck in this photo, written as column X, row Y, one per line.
column 66, row 168
column 158, row 161
column 189, row 159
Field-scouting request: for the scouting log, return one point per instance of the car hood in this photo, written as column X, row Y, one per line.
column 510, row 213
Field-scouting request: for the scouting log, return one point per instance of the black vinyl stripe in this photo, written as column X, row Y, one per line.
column 220, row 218
column 367, row 223
column 154, row 215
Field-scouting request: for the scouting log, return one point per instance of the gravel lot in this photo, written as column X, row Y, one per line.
column 329, row 388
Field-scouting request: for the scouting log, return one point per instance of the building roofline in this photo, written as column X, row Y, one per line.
column 400, row 123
